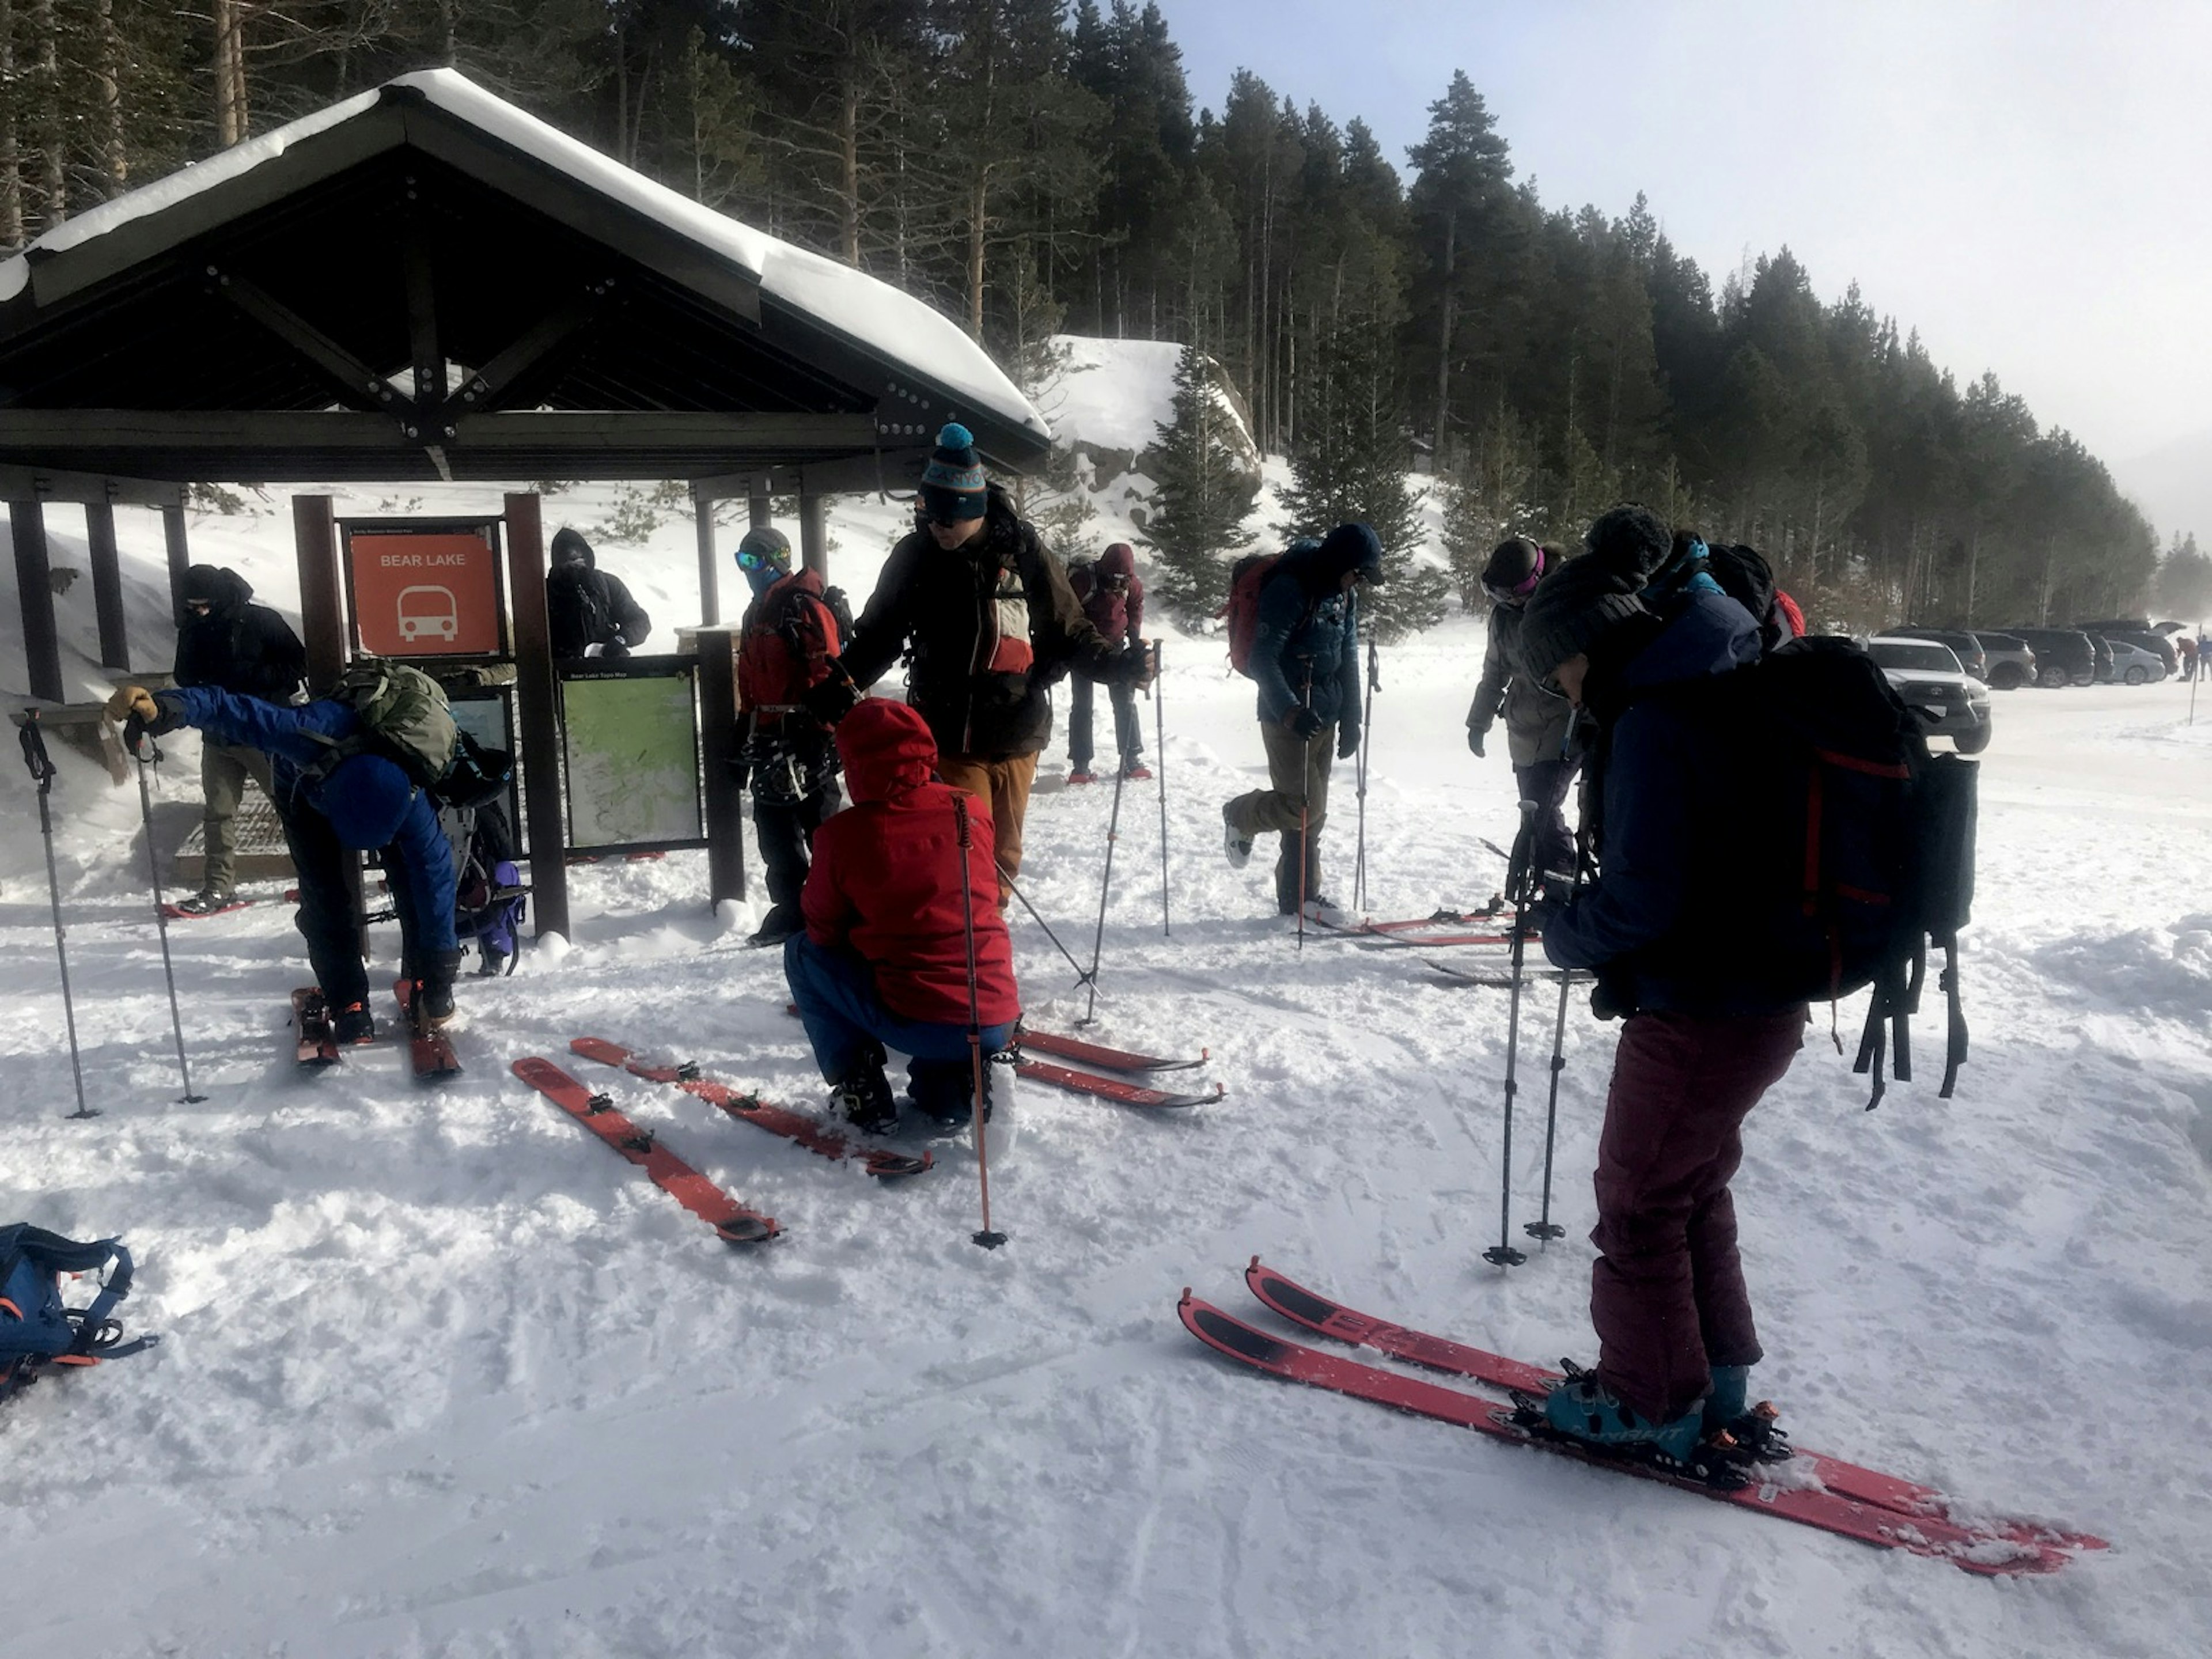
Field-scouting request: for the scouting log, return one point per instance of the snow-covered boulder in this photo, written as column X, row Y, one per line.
column 1110, row 398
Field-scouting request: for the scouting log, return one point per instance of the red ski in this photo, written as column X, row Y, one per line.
column 1031, row 1041
column 750, row 1108
column 1415, row 924
column 1974, row 1552
column 1108, row 1088
column 430, row 1050
column 316, row 1043
column 732, row 1220
column 1904, row 1499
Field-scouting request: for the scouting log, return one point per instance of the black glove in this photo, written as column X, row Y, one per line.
column 741, row 769
column 1347, row 741
column 832, row 700
column 1134, row 667
column 1474, row 741
column 616, row 646
column 1303, row 722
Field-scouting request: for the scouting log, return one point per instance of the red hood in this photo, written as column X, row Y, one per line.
column 1118, row 560
column 886, row 748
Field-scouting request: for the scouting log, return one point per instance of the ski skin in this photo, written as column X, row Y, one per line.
column 430, row 1051
column 883, row 1164
column 1108, row 1088
column 1975, row 1552
column 731, row 1221
column 315, row 1045
column 1320, row 1314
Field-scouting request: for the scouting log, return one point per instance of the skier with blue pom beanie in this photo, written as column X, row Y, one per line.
column 983, row 612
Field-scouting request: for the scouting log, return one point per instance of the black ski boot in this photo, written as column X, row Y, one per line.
column 863, row 1096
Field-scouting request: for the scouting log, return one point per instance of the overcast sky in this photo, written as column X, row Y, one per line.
column 2026, row 183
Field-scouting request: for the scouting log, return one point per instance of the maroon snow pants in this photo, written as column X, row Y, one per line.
column 1666, row 1294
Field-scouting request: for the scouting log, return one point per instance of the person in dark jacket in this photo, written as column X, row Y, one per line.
column 1698, row 1050
column 1113, row 598
column 589, row 612
column 788, row 638
column 984, row 615
column 363, row 803
column 1541, row 730
column 231, row 643
column 1305, row 656
column 884, row 957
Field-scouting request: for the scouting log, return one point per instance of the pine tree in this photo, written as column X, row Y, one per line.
column 1198, row 506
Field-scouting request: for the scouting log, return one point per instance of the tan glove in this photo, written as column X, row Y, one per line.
column 130, row 700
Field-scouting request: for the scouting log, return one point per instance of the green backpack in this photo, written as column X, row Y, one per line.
column 404, row 717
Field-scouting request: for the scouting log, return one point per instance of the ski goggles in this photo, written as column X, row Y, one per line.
column 749, row 560
column 1519, row 591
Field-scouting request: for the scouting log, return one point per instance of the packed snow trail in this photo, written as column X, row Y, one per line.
column 441, row 1377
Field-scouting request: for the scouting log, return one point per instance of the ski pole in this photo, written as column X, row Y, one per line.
column 1544, row 1229
column 1366, row 736
column 1105, row 885
column 1305, row 797
column 1082, row 974
column 987, row 1238
column 148, row 754
column 1503, row 1255
column 42, row 773
column 1160, row 756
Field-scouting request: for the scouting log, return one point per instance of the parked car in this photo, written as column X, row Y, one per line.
column 1950, row 703
column 1964, row 645
column 2063, row 657
column 2140, row 633
column 2011, row 663
column 2132, row 665
column 2100, row 662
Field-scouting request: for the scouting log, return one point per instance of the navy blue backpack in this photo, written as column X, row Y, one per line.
column 37, row 1332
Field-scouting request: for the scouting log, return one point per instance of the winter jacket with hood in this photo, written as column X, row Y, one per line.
column 1651, row 920
column 586, row 606
column 1307, row 630
column 1118, row 617
column 1537, row 721
column 936, row 605
column 368, row 800
column 886, row 881
column 238, row 645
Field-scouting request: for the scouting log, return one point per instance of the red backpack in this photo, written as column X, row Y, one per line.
column 786, row 651
column 1246, row 578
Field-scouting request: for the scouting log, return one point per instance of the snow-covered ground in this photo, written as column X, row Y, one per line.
column 441, row 1377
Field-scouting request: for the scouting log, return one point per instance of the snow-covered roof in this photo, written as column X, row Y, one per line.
column 866, row 312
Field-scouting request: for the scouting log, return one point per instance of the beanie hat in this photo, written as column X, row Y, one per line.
column 1514, row 568
column 365, row 798
column 1354, row 547
column 1574, row 607
column 953, row 485
column 1630, row 539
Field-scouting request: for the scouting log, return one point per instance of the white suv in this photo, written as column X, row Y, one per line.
column 1950, row 701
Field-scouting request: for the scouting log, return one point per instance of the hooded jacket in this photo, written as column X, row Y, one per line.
column 238, row 645
column 936, row 605
column 1307, row 630
column 1537, row 721
column 586, row 606
column 885, row 880
column 368, row 800
column 1118, row 617
column 1648, row 920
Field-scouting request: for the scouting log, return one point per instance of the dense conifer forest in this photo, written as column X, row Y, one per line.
column 1034, row 168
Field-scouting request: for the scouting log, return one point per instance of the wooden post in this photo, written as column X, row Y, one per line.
column 322, row 593
column 34, row 584
column 758, row 505
column 106, row 584
column 719, row 728
column 180, row 559
column 710, row 573
column 537, row 711
column 814, row 532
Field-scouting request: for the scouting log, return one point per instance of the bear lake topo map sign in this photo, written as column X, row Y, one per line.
column 630, row 737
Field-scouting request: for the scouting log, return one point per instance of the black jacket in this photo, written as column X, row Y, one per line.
column 586, row 606
column 238, row 645
column 1306, row 647
column 931, row 604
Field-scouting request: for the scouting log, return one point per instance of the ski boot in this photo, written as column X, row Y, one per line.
column 1580, row 1410
column 1738, row 1429
column 944, row 1091
column 1136, row 772
column 863, row 1096
column 781, row 922
column 353, row 1025
column 207, row 904
column 1235, row 842
column 1082, row 774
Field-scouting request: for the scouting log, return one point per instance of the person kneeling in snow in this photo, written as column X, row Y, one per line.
column 904, row 944
column 1700, row 1050
column 363, row 803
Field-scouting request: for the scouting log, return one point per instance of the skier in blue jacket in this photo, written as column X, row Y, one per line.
column 364, row 803
column 1305, row 656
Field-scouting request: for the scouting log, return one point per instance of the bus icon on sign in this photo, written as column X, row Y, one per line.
column 431, row 610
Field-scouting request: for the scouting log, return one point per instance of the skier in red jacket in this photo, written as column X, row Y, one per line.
column 886, row 959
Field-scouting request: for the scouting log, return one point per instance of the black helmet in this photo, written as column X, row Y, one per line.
column 1514, row 568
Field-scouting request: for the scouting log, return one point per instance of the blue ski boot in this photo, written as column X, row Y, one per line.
column 1582, row 1408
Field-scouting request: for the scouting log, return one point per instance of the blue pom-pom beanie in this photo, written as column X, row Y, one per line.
column 365, row 799
column 953, row 485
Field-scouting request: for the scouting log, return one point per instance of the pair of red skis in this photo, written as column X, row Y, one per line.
column 1100, row 1058
column 1817, row 1490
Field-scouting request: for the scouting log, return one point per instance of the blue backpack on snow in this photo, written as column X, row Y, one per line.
column 39, row 1332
